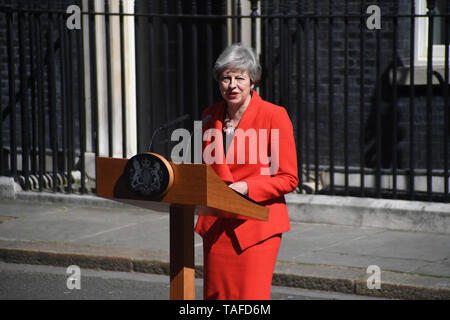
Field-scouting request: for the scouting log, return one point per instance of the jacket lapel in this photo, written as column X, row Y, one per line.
column 216, row 122
column 247, row 122
column 212, row 224
column 223, row 169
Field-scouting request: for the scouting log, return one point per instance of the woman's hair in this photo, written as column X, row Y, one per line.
column 238, row 57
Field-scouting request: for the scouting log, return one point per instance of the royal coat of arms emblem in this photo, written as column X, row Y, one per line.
column 148, row 175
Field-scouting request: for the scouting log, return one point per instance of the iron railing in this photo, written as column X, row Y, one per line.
column 365, row 123
column 42, row 114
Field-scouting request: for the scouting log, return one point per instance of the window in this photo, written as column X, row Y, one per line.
column 421, row 36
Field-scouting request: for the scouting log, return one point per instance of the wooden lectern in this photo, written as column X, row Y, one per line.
column 192, row 186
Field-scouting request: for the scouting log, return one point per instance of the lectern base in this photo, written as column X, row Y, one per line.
column 182, row 264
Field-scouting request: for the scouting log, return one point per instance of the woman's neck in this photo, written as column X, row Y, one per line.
column 235, row 112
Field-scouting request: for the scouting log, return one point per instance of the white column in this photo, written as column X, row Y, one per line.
column 87, row 79
column 89, row 156
column 102, row 81
column 229, row 22
column 116, row 84
column 246, row 25
column 130, row 79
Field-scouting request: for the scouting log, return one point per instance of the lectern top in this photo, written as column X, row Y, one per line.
column 193, row 185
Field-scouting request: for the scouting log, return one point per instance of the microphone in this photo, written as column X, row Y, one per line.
column 167, row 125
column 175, row 121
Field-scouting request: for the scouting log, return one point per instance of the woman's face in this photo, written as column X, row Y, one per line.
column 235, row 87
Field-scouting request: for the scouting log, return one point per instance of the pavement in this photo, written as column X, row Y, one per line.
column 62, row 230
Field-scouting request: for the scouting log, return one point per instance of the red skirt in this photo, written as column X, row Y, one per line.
column 232, row 274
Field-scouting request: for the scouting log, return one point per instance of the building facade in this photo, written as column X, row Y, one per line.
column 364, row 83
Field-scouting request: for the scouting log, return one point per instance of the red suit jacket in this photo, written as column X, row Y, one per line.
column 269, row 189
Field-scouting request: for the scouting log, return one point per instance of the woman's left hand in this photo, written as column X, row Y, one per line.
column 240, row 186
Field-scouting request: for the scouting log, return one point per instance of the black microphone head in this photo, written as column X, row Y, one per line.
column 176, row 121
column 167, row 125
column 185, row 117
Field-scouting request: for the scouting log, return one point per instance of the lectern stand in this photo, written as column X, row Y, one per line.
column 193, row 186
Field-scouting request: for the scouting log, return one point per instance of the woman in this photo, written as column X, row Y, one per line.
column 240, row 255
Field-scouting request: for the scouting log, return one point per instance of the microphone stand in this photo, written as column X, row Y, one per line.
column 189, row 153
column 165, row 126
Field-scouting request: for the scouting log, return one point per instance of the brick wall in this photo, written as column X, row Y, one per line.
column 289, row 88
column 299, row 86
